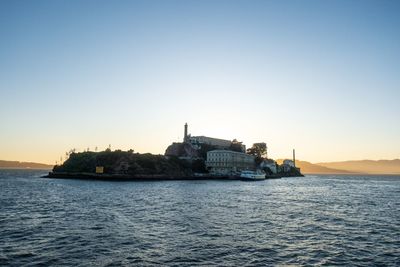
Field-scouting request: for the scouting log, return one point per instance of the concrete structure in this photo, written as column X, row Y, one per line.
column 199, row 140
column 236, row 143
column 226, row 162
column 287, row 165
column 288, row 162
column 270, row 164
column 181, row 150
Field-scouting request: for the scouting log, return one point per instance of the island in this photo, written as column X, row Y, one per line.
column 197, row 157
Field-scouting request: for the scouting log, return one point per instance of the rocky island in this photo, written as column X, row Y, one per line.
column 124, row 165
column 197, row 157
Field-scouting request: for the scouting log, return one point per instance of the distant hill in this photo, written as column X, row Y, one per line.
column 310, row 168
column 24, row 165
column 366, row 166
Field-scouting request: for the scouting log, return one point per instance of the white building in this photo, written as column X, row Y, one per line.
column 226, row 162
column 269, row 164
column 199, row 140
column 287, row 165
column 288, row 162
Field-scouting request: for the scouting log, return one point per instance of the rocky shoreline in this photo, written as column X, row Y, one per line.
column 129, row 166
column 144, row 177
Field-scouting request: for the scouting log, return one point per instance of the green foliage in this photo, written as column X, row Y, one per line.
column 258, row 150
column 204, row 149
column 199, row 166
column 236, row 146
column 124, row 162
column 78, row 162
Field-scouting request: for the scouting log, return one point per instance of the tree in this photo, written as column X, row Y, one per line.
column 259, row 150
column 236, row 146
column 198, row 165
column 108, row 148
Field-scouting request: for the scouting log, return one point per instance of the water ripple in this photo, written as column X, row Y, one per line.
column 327, row 220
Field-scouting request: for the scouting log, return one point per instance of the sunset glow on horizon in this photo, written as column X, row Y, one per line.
column 320, row 77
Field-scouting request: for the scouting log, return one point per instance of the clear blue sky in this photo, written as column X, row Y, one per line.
column 320, row 76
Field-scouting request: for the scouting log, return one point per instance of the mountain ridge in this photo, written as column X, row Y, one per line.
column 24, row 165
column 384, row 166
column 367, row 166
column 311, row 168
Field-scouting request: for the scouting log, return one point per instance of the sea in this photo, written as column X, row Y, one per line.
column 313, row 220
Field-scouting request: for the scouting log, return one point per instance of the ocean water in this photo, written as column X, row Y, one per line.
column 315, row 220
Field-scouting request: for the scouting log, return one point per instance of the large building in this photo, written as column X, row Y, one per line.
column 226, row 162
column 198, row 141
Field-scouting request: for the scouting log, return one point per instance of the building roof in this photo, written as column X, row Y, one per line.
column 228, row 151
column 213, row 138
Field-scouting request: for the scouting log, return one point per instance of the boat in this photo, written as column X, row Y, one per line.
column 252, row 175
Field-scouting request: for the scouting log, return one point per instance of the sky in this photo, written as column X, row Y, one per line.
column 322, row 77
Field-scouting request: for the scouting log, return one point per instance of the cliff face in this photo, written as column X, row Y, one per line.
column 181, row 150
